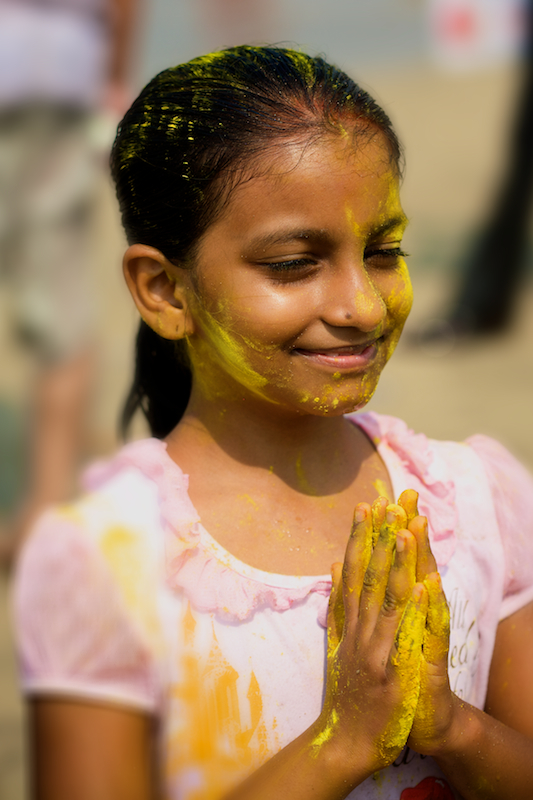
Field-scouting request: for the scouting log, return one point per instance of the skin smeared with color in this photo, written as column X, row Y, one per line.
column 435, row 651
column 270, row 292
column 278, row 299
column 234, row 349
column 407, row 658
column 326, row 734
column 422, row 632
column 392, row 559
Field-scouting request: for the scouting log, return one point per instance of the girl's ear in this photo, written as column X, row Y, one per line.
column 160, row 291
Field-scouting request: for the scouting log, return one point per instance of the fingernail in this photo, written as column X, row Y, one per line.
column 418, row 591
column 360, row 514
column 391, row 517
column 400, row 544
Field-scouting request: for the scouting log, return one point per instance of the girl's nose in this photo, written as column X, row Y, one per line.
column 354, row 300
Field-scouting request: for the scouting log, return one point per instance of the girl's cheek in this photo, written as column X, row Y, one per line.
column 399, row 301
column 400, row 296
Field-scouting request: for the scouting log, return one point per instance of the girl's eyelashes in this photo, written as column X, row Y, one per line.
column 294, row 268
column 292, row 264
column 291, row 271
column 385, row 253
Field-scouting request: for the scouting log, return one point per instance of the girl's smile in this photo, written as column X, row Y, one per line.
column 299, row 302
column 343, row 358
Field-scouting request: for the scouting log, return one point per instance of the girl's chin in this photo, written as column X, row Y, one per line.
column 327, row 407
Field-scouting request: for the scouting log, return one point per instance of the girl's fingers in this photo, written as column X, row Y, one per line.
column 377, row 574
column 404, row 664
column 407, row 650
column 408, row 500
column 437, row 634
column 426, row 563
column 335, row 608
column 402, row 578
column 358, row 552
column 379, row 509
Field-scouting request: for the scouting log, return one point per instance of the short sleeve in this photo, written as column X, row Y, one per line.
column 511, row 487
column 73, row 633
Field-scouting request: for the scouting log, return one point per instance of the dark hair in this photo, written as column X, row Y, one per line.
column 192, row 134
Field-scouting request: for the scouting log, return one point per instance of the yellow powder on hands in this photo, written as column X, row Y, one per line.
column 435, row 650
column 407, row 661
column 381, row 488
column 326, row 734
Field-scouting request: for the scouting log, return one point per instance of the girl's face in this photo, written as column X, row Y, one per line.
column 300, row 288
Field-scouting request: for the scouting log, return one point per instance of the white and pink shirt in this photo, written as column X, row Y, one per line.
column 124, row 597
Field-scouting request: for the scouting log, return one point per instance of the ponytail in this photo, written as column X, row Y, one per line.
column 161, row 384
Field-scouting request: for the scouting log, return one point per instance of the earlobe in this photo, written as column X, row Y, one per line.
column 160, row 291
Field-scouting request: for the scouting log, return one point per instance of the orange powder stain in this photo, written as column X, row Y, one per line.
column 221, row 736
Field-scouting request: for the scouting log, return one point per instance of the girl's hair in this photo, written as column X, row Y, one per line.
column 196, row 131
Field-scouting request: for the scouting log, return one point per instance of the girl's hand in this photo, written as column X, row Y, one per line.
column 376, row 623
column 434, row 716
column 435, row 710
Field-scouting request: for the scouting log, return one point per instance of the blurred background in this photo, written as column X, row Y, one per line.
column 454, row 76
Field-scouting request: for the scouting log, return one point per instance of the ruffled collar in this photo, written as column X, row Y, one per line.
column 215, row 581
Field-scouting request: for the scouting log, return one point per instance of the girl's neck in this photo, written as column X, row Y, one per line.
column 233, row 435
column 276, row 493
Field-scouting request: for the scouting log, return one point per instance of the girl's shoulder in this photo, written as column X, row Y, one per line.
column 136, row 490
column 432, row 460
column 87, row 586
column 111, row 535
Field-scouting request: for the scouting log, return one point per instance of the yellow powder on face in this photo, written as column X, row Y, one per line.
column 236, row 363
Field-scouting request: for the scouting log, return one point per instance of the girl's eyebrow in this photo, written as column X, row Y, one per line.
column 399, row 221
column 319, row 235
column 288, row 236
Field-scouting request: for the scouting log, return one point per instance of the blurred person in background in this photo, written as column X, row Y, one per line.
column 228, row 22
column 61, row 61
column 491, row 277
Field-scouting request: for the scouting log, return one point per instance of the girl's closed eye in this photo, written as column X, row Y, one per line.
column 291, row 268
column 384, row 256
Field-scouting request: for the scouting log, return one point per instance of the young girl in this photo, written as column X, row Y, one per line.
column 174, row 631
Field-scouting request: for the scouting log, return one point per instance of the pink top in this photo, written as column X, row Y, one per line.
column 125, row 597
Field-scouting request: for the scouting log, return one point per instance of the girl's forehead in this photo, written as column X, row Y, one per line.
column 317, row 181
column 366, row 151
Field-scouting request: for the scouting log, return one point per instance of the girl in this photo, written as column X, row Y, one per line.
column 175, row 637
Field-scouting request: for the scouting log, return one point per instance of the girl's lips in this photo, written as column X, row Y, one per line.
column 342, row 358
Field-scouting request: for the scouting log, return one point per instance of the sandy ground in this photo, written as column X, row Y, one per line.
column 453, row 128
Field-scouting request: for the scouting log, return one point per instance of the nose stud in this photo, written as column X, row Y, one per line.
column 347, row 315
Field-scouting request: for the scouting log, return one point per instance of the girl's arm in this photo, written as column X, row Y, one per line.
column 90, row 752
column 491, row 757
column 486, row 756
